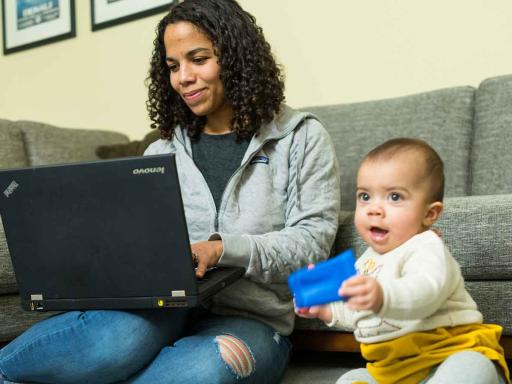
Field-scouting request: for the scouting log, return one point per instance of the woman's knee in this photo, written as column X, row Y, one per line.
column 236, row 354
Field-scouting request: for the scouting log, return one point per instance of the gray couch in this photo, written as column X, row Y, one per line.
column 470, row 128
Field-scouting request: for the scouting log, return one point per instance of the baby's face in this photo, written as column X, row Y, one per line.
column 392, row 201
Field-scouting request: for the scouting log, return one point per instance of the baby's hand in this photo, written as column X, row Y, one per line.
column 363, row 293
column 322, row 312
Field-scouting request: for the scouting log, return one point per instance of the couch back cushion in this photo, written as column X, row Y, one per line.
column 47, row 144
column 12, row 148
column 491, row 157
column 443, row 118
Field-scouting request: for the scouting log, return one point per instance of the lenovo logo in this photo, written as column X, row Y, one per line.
column 11, row 188
column 144, row 171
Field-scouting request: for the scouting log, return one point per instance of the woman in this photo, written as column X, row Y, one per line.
column 260, row 190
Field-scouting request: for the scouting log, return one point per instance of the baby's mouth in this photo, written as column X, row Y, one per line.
column 378, row 234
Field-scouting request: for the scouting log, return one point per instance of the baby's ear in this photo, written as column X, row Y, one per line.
column 434, row 211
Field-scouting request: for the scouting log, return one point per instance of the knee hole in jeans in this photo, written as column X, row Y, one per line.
column 236, row 354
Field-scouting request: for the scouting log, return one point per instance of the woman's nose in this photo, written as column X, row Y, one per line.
column 186, row 75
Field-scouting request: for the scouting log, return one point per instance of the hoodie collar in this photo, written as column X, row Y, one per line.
column 283, row 124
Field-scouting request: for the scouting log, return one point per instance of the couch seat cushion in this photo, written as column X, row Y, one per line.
column 478, row 231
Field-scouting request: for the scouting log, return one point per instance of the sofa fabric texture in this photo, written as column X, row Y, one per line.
column 12, row 146
column 470, row 128
column 47, row 144
column 443, row 118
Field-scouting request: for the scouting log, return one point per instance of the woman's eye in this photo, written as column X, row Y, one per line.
column 395, row 197
column 199, row 60
column 173, row 68
column 363, row 196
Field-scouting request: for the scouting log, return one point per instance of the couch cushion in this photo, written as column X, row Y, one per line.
column 494, row 301
column 492, row 155
column 133, row 148
column 443, row 118
column 476, row 229
column 478, row 232
column 14, row 320
column 12, row 148
column 47, row 144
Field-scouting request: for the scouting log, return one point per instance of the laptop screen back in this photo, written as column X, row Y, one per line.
column 113, row 228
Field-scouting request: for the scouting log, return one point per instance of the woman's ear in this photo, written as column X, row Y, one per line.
column 434, row 211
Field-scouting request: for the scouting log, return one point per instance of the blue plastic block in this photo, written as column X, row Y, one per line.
column 320, row 284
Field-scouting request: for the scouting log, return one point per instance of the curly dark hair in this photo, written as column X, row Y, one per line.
column 253, row 83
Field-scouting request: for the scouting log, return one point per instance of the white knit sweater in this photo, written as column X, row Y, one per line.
column 423, row 289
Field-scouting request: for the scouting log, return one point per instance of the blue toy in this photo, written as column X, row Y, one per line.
column 320, row 284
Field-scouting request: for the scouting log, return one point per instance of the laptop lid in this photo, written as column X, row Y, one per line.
column 101, row 234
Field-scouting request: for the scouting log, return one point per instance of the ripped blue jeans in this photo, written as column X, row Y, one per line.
column 146, row 347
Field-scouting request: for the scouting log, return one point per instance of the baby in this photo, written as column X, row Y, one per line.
column 412, row 315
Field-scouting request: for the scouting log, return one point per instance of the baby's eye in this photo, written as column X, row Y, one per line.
column 363, row 196
column 395, row 196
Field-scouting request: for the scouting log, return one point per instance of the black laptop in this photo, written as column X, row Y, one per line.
column 107, row 234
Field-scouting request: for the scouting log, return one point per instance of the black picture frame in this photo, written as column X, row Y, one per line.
column 108, row 13
column 32, row 23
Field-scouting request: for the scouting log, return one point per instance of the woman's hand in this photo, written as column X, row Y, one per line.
column 363, row 292
column 206, row 254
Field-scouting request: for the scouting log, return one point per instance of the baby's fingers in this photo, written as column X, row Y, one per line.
column 360, row 302
column 347, row 290
column 308, row 312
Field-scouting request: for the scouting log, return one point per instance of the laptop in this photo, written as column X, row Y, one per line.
column 107, row 234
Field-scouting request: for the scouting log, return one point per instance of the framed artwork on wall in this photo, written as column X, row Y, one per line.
column 107, row 13
column 32, row 23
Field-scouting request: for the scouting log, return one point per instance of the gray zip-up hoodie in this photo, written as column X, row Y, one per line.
column 278, row 213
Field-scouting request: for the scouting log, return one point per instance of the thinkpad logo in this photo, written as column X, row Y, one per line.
column 145, row 171
column 10, row 189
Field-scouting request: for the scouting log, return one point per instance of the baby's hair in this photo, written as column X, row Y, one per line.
column 434, row 167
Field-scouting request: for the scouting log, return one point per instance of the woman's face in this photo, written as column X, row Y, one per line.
column 194, row 69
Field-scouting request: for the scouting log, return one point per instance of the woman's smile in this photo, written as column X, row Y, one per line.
column 193, row 97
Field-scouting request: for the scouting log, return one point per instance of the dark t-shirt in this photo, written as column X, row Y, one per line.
column 218, row 157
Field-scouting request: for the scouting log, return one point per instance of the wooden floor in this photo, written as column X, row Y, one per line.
column 345, row 342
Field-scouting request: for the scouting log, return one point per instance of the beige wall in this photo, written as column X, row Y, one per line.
column 333, row 51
